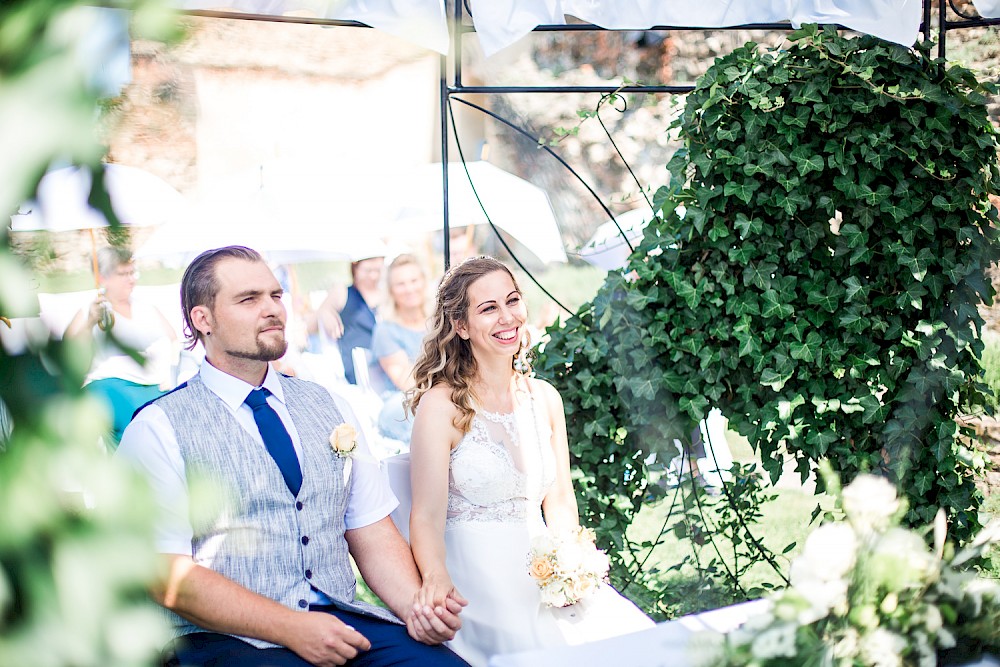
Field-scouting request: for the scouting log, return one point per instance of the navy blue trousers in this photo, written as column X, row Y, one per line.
column 391, row 645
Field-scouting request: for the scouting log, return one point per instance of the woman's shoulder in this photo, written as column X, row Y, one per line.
column 542, row 389
column 438, row 397
column 436, row 407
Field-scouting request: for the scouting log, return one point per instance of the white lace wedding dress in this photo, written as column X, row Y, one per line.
column 500, row 472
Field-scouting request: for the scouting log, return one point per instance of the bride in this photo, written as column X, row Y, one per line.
column 488, row 457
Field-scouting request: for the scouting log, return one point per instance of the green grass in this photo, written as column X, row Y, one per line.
column 785, row 520
column 991, row 364
column 571, row 284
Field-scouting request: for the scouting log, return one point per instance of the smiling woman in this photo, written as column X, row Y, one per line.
column 488, row 457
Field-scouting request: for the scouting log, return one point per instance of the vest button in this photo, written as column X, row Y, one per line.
column 298, row 505
column 303, row 604
column 305, row 539
column 309, row 574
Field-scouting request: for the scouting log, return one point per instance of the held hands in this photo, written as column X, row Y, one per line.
column 436, row 606
column 322, row 639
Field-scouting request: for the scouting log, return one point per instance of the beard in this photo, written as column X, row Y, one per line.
column 263, row 352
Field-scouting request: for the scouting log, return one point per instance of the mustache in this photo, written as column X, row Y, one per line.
column 272, row 322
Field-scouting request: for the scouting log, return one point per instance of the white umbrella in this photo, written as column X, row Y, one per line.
column 138, row 198
column 606, row 249
column 61, row 202
column 513, row 204
column 288, row 223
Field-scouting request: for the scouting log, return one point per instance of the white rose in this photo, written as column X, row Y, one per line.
column 824, row 597
column 846, row 646
column 829, row 554
column 901, row 559
column 553, row 594
column 569, row 557
column 870, row 502
column 881, row 648
column 582, row 588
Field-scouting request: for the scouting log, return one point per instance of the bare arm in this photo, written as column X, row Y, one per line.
column 327, row 316
column 218, row 604
column 385, row 562
column 399, row 368
column 559, row 505
column 434, row 436
column 168, row 329
column 83, row 323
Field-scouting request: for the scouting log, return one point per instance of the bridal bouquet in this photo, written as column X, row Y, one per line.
column 567, row 566
column 867, row 592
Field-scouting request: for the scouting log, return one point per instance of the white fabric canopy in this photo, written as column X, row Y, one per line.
column 422, row 22
column 988, row 8
column 500, row 23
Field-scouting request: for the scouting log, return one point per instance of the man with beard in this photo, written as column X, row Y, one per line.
column 264, row 576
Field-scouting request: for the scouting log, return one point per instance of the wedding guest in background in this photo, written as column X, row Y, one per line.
column 489, row 456
column 396, row 342
column 348, row 314
column 267, row 580
column 114, row 322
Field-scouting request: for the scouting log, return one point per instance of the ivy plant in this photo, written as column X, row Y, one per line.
column 814, row 272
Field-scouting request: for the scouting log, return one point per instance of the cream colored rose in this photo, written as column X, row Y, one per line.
column 344, row 440
column 540, row 568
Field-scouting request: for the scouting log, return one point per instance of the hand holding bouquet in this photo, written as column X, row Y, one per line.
column 567, row 566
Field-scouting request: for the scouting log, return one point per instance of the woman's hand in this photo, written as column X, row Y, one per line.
column 435, row 592
column 433, row 623
column 96, row 311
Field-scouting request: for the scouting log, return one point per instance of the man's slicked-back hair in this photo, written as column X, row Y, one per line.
column 200, row 285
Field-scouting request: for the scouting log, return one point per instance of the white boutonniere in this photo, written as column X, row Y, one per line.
column 344, row 443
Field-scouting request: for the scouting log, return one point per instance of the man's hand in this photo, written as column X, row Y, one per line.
column 437, row 625
column 323, row 639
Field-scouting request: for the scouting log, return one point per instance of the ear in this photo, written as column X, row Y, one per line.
column 201, row 318
column 461, row 329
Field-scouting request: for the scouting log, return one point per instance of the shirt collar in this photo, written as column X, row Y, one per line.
column 232, row 390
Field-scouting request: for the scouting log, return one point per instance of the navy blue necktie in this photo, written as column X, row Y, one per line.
column 276, row 438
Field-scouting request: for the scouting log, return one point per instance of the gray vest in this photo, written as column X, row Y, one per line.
column 256, row 533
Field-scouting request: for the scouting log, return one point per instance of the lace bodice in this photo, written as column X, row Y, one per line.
column 503, row 467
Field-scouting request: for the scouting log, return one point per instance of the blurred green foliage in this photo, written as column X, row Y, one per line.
column 76, row 549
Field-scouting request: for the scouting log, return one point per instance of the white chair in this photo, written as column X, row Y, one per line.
column 715, row 465
column 362, row 377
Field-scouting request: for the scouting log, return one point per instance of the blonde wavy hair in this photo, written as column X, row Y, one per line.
column 445, row 357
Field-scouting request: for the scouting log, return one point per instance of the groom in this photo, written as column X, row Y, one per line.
column 267, row 579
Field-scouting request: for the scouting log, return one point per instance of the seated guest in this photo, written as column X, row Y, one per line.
column 267, row 579
column 348, row 315
column 396, row 343
column 113, row 321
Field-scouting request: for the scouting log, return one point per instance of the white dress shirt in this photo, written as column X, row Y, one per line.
column 150, row 445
